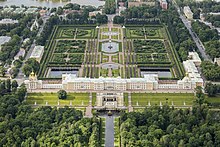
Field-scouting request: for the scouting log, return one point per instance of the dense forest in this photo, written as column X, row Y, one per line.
column 210, row 71
column 206, row 6
column 166, row 126
column 209, row 37
column 21, row 125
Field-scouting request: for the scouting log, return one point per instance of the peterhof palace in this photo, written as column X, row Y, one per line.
column 148, row 82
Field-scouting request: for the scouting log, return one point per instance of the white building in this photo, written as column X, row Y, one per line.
column 188, row 13
column 35, row 25
column 193, row 56
column 19, row 10
column 71, row 82
column 8, row 10
column 3, row 40
column 37, row 53
column 31, row 10
column 94, row 13
column 217, row 61
column 8, row 21
column 193, row 73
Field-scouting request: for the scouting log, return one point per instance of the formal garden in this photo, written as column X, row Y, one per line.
column 76, row 32
column 70, row 46
column 150, row 47
column 144, row 32
column 66, row 48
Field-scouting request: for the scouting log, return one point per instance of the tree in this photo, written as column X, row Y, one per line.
column 21, row 92
column 210, row 89
column 101, row 19
column 27, row 69
column 14, row 85
column 2, row 71
column 8, row 85
column 118, row 20
column 200, row 97
column 62, row 94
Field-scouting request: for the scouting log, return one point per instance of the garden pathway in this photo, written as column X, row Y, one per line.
column 109, row 131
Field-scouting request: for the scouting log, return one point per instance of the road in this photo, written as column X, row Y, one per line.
column 109, row 131
column 196, row 39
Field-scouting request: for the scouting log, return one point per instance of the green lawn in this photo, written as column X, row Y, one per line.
column 126, row 99
column 215, row 99
column 178, row 99
column 78, row 99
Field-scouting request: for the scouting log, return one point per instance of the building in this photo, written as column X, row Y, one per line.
column 35, row 25
column 137, row 3
column 164, row 4
column 33, row 82
column 7, row 10
column 217, row 61
column 8, row 21
column 73, row 83
column 149, row 82
column 31, row 10
column 192, row 74
column 3, row 40
column 37, row 53
column 43, row 12
column 94, row 13
column 110, row 100
column 19, row 10
column 193, row 56
column 188, row 13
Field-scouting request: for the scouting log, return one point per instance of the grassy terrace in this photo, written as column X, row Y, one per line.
column 78, row 99
column 178, row 99
column 155, row 98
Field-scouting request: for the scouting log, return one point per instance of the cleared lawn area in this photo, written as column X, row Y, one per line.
column 155, row 98
column 41, row 98
column 213, row 100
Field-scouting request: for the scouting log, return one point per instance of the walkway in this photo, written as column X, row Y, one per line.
column 109, row 131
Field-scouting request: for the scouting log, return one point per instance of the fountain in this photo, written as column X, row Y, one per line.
column 110, row 47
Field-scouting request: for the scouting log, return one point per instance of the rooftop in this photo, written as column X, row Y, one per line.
column 31, row 10
column 4, row 39
column 194, row 56
column 8, row 21
column 19, row 10
column 73, row 78
column 187, row 9
column 37, row 52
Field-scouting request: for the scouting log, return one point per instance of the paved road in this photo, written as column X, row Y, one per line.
column 193, row 34
column 109, row 131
